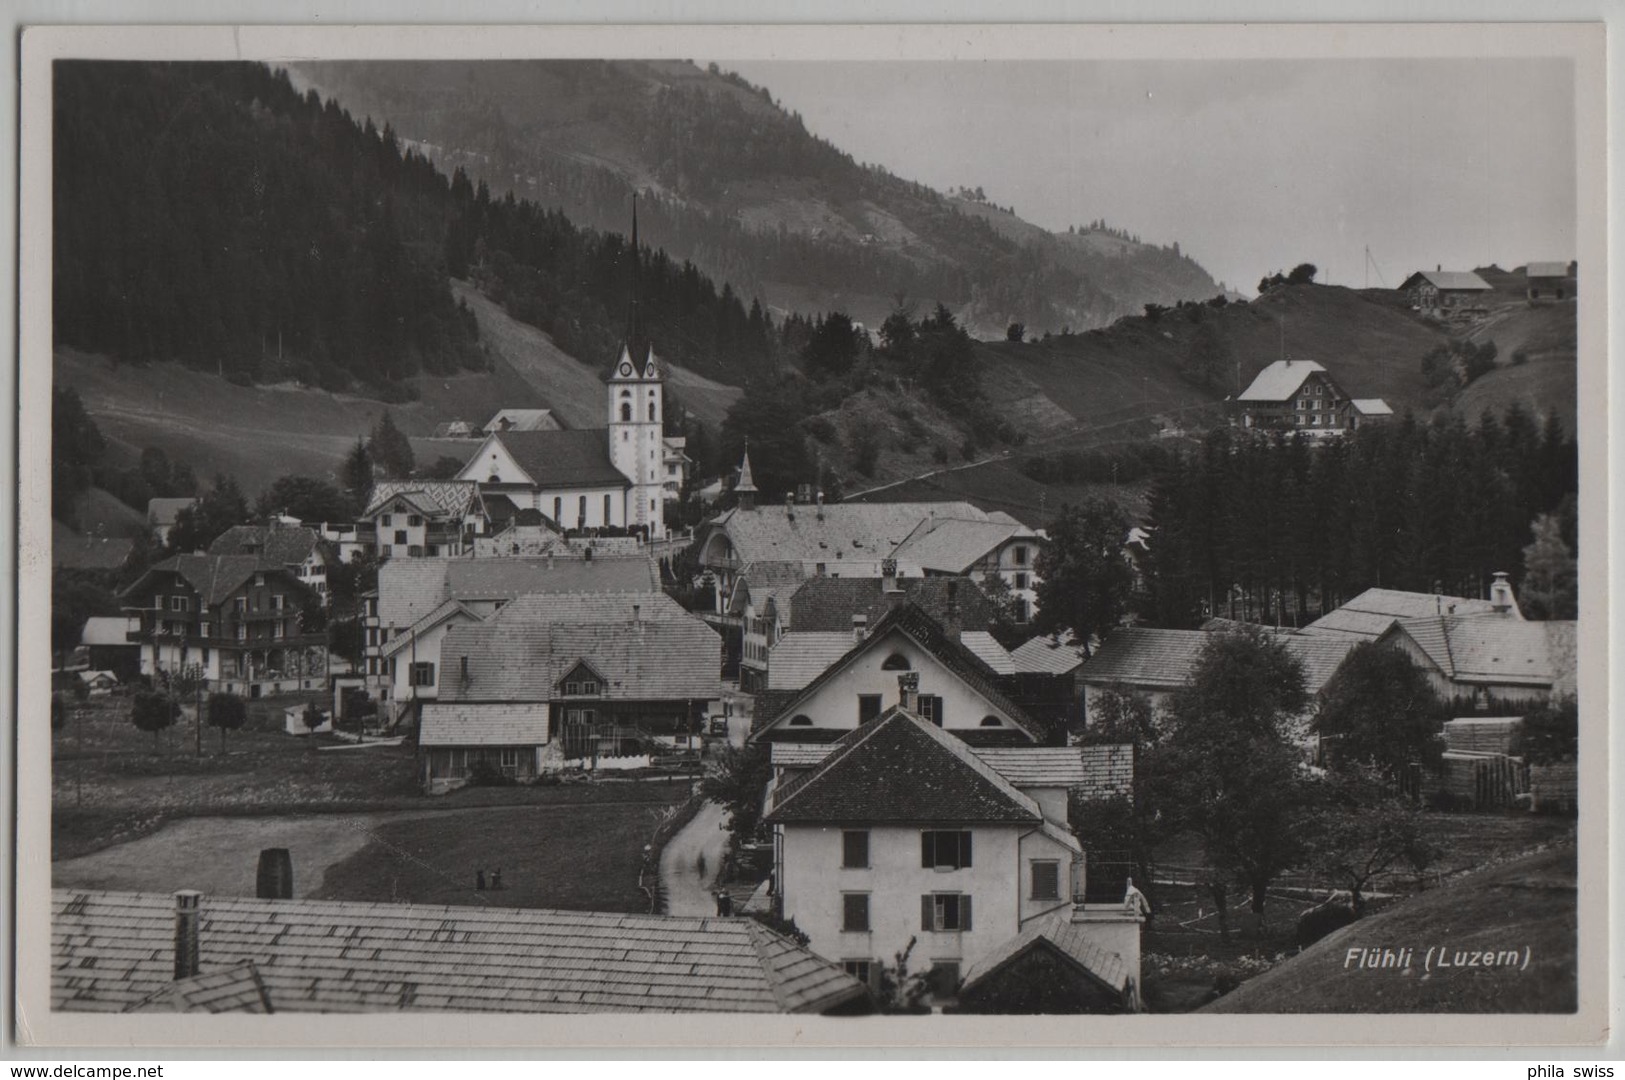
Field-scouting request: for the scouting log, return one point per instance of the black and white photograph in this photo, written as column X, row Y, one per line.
column 918, row 537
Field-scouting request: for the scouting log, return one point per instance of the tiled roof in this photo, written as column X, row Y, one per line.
column 1046, row 656
column 929, row 635
column 1371, row 406
column 1065, row 938
column 1547, row 270
column 409, row 589
column 523, row 420
column 110, row 951
column 763, row 581
column 800, row 657
column 561, row 459
column 1280, row 380
column 1495, row 650
column 521, row 655
column 1103, row 769
column 285, row 545
column 77, row 552
column 901, row 768
column 403, row 639
column 234, row 989
column 105, row 630
column 453, row 498
column 828, row 603
column 863, row 531
column 164, row 511
column 954, row 545
column 987, row 649
column 482, row 724
column 1450, row 279
column 1321, row 657
column 213, row 577
column 1138, row 656
column 1100, row 769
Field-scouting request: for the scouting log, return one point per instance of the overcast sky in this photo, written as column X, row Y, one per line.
column 1252, row 165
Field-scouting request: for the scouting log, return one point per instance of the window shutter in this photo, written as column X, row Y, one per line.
column 927, row 861
column 926, row 920
column 964, row 849
column 964, row 912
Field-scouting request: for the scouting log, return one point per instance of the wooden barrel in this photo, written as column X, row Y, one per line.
column 275, row 878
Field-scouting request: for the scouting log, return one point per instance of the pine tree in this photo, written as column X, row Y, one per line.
column 358, row 475
column 391, row 451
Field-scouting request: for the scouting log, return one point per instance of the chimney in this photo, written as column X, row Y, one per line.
column 187, row 918
column 860, row 628
column 908, row 690
column 819, row 498
column 1501, row 594
column 1438, row 268
column 274, row 879
column 888, row 576
column 790, row 505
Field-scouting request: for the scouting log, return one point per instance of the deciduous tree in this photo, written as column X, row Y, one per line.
column 1380, row 713
column 227, row 712
column 1083, row 579
column 153, row 711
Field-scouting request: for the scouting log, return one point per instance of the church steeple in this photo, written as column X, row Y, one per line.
column 746, row 487
column 636, row 345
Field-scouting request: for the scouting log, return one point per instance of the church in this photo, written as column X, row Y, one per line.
column 592, row 478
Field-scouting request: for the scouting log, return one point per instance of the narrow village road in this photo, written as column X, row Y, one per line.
column 687, row 886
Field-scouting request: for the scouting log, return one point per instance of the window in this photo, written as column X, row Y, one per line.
column 855, row 849
column 651, row 412
column 509, row 762
column 1046, row 881
column 432, row 549
column 558, row 509
column 1019, row 555
column 801, row 721
column 203, row 629
column 581, row 688
column 855, row 912
column 626, row 412
column 1021, row 580
column 1318, row 389
column 400, row 536
column 945, row 850
column 581, row 511
column 992, row 721
column 945, row 912
column 423, row 673
column 821, row 569
column 896, row 662
column 242, row 632
column 389, row 520
column 415, row 551
column 180, row 603
column 858, row 969
column 931, row 708
column 414, row 520
column 606, row 509
column 277, row 628
column 158, row 602
column 276, row 602
column 868, row 707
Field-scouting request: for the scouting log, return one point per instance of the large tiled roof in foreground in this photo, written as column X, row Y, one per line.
column 111, row 952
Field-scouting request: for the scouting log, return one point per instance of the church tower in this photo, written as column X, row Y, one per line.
column 636, row 406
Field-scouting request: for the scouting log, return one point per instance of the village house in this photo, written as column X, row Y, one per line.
column 161, row 515
column 150, row 952
column 106, row 644
column 1157, row 664
column 957, row 690
column 1301, row 396
column 1369, row 615
column 421, row 518
column 1441, row 292
column 297, row 547
column 677, row 465
column 1490, row 662
column 902, row 832
column 1550, row 280
column 419, row 600
column 551, row 680
column 867, row 540
column 236, row 618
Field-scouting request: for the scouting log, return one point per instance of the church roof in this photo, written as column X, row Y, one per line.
column 564, row 459
column 522, row 420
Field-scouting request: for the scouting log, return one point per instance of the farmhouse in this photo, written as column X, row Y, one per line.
column 1300, row 395
column 234, row 617
column 1369, row 615
column 148, row 952
column 1490, row 661
column 550, row 679
column 296, row 547
column 419, row 600
column 956, row 689
column 902, row 832
column 1440, row 291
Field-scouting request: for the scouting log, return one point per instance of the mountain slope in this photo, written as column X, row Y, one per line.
column 738, row 186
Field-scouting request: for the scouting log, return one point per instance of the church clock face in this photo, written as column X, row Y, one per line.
column 626, row 369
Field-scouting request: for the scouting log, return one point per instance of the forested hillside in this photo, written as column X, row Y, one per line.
column 739, row 186
column 211, row 214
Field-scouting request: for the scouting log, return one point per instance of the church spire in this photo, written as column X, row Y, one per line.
column 636, row 345
column 746, row 488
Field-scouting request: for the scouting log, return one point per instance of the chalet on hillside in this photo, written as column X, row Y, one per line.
column 1440, row 292
column 1301, row 396
column 1550, row 280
